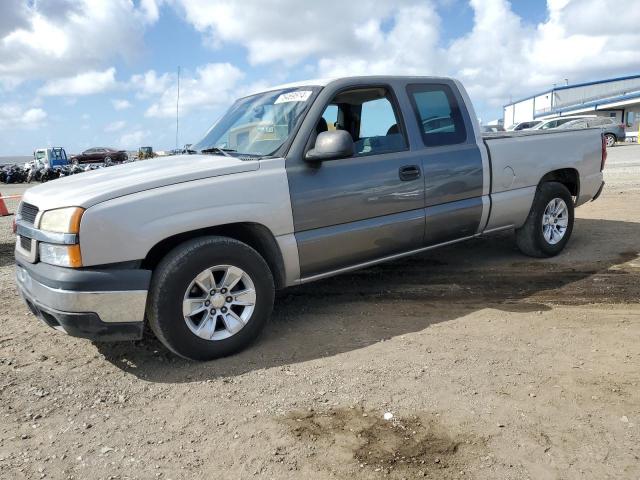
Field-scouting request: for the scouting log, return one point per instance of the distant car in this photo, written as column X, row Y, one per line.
column 612, row 129
column 492, row 128
column 557, row 121
column 95, row 155
column 524, row 125
column 438, row 124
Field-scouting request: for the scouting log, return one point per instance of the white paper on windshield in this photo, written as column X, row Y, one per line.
column 299, row 96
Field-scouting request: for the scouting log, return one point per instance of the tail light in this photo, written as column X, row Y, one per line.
column 604, row 152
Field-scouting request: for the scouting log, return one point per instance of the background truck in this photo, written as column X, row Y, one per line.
column 292, row 185
column 50, row 157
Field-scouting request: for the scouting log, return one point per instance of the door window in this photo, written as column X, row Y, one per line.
column 368, row 114
column 438, row 114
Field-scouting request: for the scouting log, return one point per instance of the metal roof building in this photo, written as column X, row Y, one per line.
column 614, row 97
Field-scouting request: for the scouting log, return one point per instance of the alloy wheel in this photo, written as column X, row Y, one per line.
column 555, row 221
column 219, row 302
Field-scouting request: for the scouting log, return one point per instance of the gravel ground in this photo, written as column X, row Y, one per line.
column 492, row 365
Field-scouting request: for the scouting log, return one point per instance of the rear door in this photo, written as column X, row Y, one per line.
column 369, row 206
column 451, row 161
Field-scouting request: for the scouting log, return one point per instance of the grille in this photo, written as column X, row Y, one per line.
column 25, row 243
column 28, row 212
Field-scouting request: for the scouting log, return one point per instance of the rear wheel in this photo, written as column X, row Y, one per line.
column 210, row 297
column 550, row 222
column 610, row 139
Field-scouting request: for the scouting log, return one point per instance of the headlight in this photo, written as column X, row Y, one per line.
column 61, row 255
column 62, row 220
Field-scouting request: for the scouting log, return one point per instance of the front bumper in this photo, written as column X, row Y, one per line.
column 98, row 304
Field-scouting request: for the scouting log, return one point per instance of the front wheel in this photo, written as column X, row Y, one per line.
column 210, row 297
column 550, row 222
column 610, row 139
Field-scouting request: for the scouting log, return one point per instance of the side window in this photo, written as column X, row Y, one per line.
column 368, row 114
column 379, row 131
column 330, row 116
column 438, row 114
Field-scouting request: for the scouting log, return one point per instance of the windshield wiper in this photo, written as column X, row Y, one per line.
column 223, row 151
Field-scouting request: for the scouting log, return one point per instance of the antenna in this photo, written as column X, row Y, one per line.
column 178, row 109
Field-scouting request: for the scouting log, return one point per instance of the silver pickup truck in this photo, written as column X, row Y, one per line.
column 291, row 185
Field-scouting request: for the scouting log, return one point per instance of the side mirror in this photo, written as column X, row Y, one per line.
column 331, row 146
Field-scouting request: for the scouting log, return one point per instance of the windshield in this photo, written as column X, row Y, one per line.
column 257, row 125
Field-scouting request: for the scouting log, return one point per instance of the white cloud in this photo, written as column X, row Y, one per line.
column 88, row 83
column 213, row 85
column 394, row 51
column 150, row 9
column 115, row 126
column 51, row 39
column 135, row 139
column 288, row 30
column 149, row 84
column 16, row 116
column 121, row 104
column 502, row 56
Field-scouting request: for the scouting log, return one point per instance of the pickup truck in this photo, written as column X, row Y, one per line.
column 291, row 185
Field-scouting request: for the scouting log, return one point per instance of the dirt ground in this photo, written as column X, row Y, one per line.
column 492, row 365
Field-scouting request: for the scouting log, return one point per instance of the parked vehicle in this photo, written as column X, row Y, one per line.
column 102, row 155
column 274, row 197
column 50, row 157
column 613, row 130
column 145, row 153
column 551, row 123
column 492, row 128
column 516, row 127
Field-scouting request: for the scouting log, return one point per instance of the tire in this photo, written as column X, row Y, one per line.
column 173, row 287
column 610, row 139
column 536, row 240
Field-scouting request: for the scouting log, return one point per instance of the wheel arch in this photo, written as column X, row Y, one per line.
column 569, row 177
column 256, row 235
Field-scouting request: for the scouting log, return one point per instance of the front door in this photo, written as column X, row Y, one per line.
column 352, row 210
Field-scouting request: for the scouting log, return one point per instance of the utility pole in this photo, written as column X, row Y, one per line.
column 178, row 109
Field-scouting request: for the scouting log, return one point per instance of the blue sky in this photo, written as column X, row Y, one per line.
column 87, row 73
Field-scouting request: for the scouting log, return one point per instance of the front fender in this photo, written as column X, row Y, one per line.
column 126, row 228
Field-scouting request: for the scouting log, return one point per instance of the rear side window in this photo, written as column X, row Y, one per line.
column 438, row 114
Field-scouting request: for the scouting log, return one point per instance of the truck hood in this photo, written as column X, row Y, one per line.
column 89, row 188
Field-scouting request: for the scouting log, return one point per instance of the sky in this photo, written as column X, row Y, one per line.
column 85, row 73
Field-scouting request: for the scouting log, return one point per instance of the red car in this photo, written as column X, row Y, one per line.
column 95, row 155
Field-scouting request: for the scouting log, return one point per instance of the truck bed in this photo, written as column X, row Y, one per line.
column 520, row 159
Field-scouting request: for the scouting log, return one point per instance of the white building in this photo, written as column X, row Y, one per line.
column 615, row 97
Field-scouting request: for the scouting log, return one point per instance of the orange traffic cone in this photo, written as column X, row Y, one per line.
column 3, row 207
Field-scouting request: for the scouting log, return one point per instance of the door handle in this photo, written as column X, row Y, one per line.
column 409, row 172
